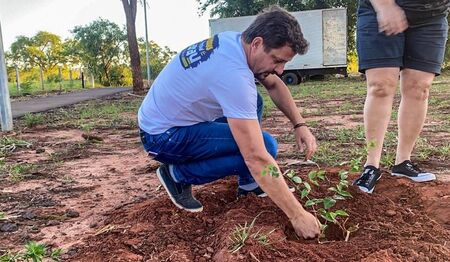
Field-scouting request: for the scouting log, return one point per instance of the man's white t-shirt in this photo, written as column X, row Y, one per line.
column 205, row 81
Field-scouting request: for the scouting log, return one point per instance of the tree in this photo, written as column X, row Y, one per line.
column 130, row 7
column 159, row 56
column 102, row 44
column 43, row 50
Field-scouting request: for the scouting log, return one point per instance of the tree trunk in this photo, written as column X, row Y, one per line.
column 130, row 7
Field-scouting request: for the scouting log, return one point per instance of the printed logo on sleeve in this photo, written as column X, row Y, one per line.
column 193, row 55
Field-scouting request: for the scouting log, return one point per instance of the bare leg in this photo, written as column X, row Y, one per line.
column 381, row 87
column 414, row 86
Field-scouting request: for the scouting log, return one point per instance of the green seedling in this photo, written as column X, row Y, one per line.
column 10, row 256
column 242, row 233
column 35, row 251
column 32, row 120
column 322, row 207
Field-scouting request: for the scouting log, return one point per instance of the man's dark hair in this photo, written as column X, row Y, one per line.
column 277, row 28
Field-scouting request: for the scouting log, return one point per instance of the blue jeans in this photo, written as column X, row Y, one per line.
column 203, row 152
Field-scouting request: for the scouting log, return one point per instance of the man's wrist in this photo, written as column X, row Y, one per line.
column 299, row 125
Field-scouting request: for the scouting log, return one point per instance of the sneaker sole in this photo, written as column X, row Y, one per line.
column 291, row 189
column 161, row 180
column 425, row 178
column 364, row 189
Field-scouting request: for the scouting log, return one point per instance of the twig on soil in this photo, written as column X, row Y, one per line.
column 105, row 229
column 254, row 257
column 131, row 94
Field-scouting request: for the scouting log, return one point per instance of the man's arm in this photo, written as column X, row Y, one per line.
column 391, row 18
column 247, row 134
column 281, row 96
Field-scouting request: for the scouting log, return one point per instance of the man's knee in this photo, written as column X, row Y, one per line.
column 271, row 144
column 382, row 87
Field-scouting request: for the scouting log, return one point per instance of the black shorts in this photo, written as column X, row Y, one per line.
column 421, row 47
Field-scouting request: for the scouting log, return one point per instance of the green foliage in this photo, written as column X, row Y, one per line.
column 43, row 50
column 34, row 252
column 10, row 144
column 271, row 170
column 242, row 233
column 323, row 207
column 33, row 119
column 120, row 76
column 159, row 57
column 101, row 45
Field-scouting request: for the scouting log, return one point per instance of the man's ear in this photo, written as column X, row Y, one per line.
column 257, row 42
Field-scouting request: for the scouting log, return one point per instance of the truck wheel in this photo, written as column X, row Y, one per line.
column 290, row 78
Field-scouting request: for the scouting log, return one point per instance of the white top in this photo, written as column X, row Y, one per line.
column 205, row 81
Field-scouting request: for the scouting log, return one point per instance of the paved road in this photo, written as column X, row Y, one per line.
column 41, row 104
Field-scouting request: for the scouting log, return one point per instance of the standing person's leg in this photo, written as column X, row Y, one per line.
column 380, row 58
column 420, row 68
column 381, row 88
column 415, row 88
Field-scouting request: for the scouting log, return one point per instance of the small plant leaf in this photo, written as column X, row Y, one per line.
column 343, row 175
column 344, row 193
column 330, row 216
column 297, row 180
column 307, row 186
column 338, row 197
column 290, row 173
column 312, row 202
column 328, row 202
column 312, row 175
column 304, row 193
column 341, row 213
column 321, row 175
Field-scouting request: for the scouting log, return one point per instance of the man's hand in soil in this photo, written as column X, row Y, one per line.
column 305, row 139
column 306, row 225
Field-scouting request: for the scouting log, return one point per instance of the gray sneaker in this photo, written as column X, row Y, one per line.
column 412, row 171
column 179, row 193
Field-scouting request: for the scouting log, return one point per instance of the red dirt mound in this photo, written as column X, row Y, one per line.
column 402, row 221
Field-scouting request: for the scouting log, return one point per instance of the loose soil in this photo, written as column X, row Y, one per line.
column 99, row 199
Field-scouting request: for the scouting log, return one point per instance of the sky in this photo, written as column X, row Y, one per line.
column 172, row 23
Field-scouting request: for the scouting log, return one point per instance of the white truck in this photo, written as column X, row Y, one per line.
column 326, row 32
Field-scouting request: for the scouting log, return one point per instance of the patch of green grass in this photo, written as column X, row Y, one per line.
column 34, row 87
column 346, row 135
column 387, row 159
column 32, row 120
column 10, row 144
column 328, row 154
column 34, row 252
column 242, row 233
column 17, row 171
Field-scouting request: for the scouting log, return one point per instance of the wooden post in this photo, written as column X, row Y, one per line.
column 5, row 102
column 17, row 78
column 82, row 80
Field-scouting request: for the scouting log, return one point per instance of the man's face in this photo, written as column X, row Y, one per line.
column 272, row 62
